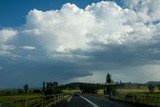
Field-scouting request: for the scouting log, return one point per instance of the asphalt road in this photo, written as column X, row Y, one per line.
column 91, row 101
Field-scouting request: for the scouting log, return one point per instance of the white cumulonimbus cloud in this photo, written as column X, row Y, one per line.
column 28, row 47
column 73, row 28
column 6, row 35
column 101, row 23
column 149, row 7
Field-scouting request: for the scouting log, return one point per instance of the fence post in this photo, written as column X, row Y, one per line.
column 110, row 95
column 123, row 97
column 147, row 98
column 42, row 101
column 116, row 95
column 54, row 98
column 59, row 97
column 62, row 96
column 133, row 99
column 24, row 103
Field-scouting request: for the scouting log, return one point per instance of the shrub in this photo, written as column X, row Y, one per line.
column 57, row 91
column 19, row 90
column 89, row 89
column 48, row 91
column 36, row 91
column 130, row 97
column 151, row 87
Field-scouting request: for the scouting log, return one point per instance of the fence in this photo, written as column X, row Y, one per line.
column 142, row 98
column 42, row 101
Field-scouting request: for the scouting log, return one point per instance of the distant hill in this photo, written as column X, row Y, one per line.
column 153, row 82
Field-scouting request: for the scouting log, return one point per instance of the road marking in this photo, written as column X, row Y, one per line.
column 93, row 104
column 70, row 98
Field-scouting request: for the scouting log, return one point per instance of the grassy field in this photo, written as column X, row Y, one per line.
column 142, row 89
column 100, row 91
column 141, row 95
column 128, row 90
column 70, row 91
column 12, row 97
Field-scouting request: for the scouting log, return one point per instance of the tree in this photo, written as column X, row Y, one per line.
column 51, row 88
column 44, row 87
column 151, row 87
column 108, row 78
column 108, row 83
column 55, row 84
column 26, row 88
column 89, row 88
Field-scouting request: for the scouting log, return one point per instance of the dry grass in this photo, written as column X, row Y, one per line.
column 134, row 90
column 70, row 91
column 100, row 91
column 5, row 98
column 143, row 89
column 9, row 98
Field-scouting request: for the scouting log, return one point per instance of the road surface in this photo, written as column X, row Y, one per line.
column 92, row 101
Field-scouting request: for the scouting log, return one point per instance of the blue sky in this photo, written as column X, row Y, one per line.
column 78, row 40
column 13, row 12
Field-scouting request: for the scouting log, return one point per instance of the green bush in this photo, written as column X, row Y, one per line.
column 57, row 91
column 130, row 97
column 151, row 87
column 89, row 89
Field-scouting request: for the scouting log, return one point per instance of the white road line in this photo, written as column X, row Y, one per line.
column 70, row 98
column 93, row 104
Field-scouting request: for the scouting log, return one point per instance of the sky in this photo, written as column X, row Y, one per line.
column 78, row 41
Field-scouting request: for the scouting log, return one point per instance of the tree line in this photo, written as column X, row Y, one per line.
column 109, row 86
